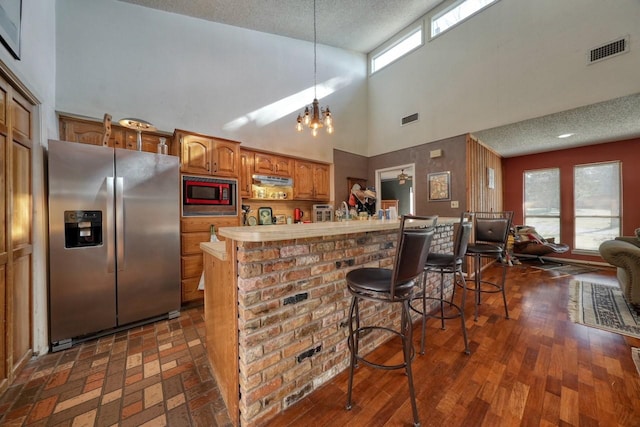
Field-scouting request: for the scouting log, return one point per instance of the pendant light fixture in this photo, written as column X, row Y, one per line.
column 313, row 116
column 403, row 177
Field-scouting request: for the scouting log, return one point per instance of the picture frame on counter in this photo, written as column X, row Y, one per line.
column 10, row 26
column 439, row 186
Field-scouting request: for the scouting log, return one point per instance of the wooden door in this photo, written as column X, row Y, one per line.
column 225, row 158
column 321, row 182
column 196, row 154
column 246, row 171
column 16, row 248
column 303, row 180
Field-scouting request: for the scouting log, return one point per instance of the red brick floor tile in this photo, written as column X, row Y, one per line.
column 92, row 383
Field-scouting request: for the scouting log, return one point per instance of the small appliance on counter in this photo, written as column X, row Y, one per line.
column 322, row 213
column 297, row 215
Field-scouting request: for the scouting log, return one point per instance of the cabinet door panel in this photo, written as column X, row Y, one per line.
column 246, row 170
column 196, row 155
column 225, row 161
column 191, row 266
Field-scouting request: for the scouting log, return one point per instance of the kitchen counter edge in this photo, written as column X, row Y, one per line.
column 271, row 233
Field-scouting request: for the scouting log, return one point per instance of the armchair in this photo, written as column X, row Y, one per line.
column 528, row 242
column 624, row 253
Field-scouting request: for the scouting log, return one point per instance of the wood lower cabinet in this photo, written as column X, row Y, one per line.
column 16, row 233
column 90, row 132
column 193, row 231
column 311, row 181
column 208, row 155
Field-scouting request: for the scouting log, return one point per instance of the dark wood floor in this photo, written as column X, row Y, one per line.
column 537, row 368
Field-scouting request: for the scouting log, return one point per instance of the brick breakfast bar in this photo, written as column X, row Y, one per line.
column 276, row 307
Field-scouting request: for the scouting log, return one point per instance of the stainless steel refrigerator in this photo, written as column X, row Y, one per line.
column 114, row 240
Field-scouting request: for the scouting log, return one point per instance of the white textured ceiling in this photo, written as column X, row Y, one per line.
column 358, row 25
column 362, row 25
column 613, row 120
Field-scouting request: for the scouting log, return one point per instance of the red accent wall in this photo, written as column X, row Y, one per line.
column 627, row 152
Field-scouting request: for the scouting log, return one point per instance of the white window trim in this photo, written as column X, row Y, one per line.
column 444, row 10
column 394, row 42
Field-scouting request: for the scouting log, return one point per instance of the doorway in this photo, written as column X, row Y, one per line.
column 391, row 188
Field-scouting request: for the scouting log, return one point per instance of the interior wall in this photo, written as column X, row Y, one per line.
column 516, row 60
column 181, row 72
column 347, row 165
column 452, row 159
column 627, row 152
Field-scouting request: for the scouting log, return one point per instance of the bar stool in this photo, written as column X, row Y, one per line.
column 491, row 233
column 390, row 286
column 447, row 264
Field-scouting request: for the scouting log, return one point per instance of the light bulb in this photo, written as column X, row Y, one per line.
column 307, row 116
column 314, row 131
column 329, row 129
column 299, row 124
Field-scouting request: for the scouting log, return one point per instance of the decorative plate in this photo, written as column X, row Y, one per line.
column 252, row 220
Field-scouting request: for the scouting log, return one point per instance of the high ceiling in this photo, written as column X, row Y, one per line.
column 358, row 25
column 362, row 25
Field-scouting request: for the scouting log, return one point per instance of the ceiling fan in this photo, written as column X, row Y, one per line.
column 403, row 177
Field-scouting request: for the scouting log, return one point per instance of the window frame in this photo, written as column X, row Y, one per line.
column 576, row 232
column 558, row 217
column 396, row 41
column 446, row 9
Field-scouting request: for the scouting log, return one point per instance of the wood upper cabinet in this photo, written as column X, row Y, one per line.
column 271, row 164
column 246, row 170
column 90, row 132
column 311, row 181
column 208, row 155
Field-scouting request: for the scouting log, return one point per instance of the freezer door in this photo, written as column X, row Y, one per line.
column 82, row 294
column 148, row 234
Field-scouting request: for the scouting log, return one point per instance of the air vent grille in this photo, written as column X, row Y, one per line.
column 409, row 119
column 608, row 50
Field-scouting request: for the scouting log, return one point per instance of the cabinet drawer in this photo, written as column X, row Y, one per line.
column 191, row 266
column 190, row 290
column 191, row 242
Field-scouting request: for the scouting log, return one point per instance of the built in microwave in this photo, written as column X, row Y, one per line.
column 208, row 196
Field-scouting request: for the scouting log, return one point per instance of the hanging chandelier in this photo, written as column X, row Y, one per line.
column 314, row 116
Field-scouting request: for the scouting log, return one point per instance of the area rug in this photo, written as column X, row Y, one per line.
column 635, row 355
column 572, row 270
column 602, row 306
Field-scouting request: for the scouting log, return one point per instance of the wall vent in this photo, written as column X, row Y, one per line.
column 616, row 47
column 409, row 119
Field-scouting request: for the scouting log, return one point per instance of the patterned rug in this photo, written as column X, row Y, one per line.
column 604, row 307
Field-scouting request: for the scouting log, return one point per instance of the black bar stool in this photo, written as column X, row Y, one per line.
column 447, row 264
column 391, row 286
column 491, row 231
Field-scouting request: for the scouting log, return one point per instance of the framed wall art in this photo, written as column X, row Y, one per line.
column 10, row 23
column 439, row 186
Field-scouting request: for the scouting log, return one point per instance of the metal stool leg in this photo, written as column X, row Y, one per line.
column 424, row 311
column 352, row 343
column 407, row 345
column 464, row 326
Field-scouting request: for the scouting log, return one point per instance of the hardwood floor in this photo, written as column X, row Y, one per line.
column 537, row 368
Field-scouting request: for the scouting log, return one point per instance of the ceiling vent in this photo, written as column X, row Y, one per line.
column 616, row 47
column 409, row 119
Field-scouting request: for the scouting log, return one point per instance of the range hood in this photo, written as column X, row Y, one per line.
column 276, row 181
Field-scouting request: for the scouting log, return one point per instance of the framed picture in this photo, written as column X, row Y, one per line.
column 10, row 21
column 491, row 178
column 439, row 185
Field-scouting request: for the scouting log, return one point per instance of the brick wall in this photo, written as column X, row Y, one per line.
column 293, row 310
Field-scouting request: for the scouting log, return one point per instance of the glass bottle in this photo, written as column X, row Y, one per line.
column 213, row 237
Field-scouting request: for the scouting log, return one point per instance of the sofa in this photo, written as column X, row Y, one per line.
column 624, row 253
column 527, row 241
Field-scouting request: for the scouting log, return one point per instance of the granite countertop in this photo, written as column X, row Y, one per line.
column 270, row 233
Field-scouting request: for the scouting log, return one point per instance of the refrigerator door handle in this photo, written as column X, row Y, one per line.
column 111, row 264
column 120, row 222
